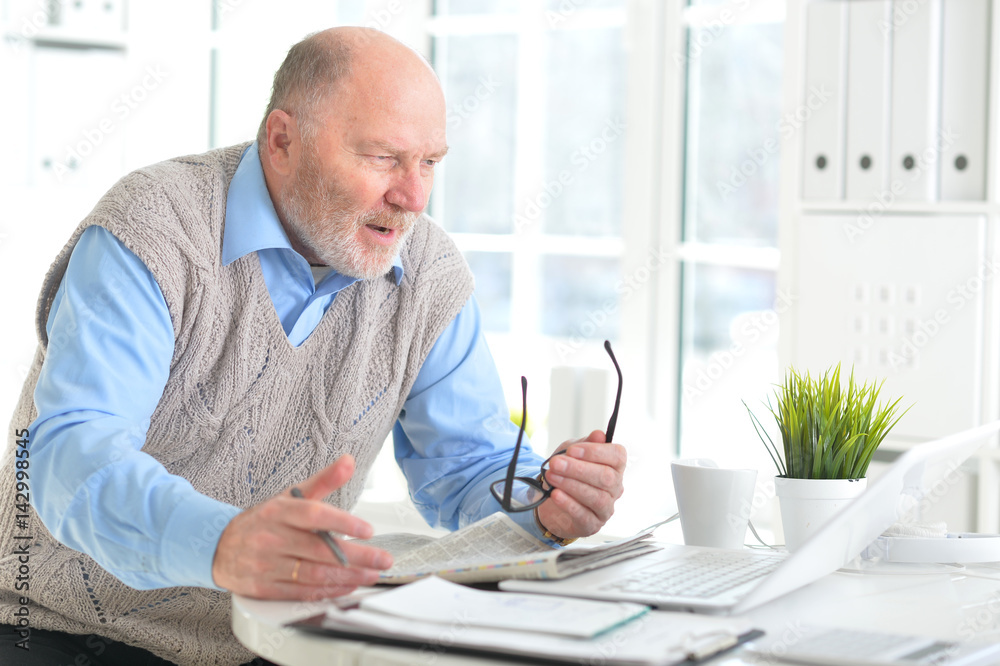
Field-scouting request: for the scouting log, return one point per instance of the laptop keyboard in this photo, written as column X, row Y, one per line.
column 702, row 575
column 855, row 644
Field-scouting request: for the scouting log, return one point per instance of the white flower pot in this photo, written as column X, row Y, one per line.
column 806, row 504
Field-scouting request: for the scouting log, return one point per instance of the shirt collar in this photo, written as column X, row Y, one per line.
column 251, row 221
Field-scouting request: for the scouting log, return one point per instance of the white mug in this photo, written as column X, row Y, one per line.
column 713, row 503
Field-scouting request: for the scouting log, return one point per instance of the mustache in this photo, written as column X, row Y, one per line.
column 388, row 218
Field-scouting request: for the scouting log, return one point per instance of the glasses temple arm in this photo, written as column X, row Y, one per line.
column 512, row 467
column 610, row 432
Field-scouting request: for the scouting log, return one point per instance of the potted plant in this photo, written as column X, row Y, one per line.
column 829, row 434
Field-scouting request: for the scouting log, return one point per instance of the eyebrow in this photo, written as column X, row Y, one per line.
column 394, row 150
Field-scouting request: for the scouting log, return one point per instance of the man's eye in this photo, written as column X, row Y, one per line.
column 431, row 162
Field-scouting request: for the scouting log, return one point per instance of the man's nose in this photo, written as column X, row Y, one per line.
column 408, row 191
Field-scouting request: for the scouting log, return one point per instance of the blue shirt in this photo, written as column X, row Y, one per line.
column 108, row 360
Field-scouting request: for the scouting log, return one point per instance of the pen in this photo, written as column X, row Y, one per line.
column 325, row 536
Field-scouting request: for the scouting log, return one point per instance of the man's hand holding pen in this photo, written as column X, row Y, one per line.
column 275, row 550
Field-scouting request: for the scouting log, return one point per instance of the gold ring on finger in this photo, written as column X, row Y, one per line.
column 295, row 571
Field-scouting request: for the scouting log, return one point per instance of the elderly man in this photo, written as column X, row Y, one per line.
column 224, row 327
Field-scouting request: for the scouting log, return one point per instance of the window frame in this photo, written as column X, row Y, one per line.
column 529, row 245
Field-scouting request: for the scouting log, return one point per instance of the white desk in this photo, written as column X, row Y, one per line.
column 940, row 605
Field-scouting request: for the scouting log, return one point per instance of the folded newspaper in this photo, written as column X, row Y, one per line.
column 496, row 548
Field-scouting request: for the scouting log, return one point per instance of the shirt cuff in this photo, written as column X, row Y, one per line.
column 190, row 538
column 524, row 519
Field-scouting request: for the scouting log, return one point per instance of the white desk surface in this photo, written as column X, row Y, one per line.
column 943, row 605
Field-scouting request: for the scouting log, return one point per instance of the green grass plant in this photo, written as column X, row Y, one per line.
column 827, row 431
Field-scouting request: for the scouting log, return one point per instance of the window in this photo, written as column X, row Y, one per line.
column 729, row 233
column 574, row 160
column 533, row 184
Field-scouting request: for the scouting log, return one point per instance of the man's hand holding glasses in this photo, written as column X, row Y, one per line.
column 575, row 492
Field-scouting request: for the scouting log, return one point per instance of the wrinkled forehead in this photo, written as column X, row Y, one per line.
column 376, row 104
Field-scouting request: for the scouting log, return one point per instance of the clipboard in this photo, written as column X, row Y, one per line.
column 322, row 624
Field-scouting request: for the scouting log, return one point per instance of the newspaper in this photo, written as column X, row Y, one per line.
column 495, row 548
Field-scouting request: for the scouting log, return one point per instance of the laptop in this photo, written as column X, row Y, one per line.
column 835, row 647
column 720, row 581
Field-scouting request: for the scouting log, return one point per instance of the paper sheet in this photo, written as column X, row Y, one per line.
column 656, row 638
column 437, row 600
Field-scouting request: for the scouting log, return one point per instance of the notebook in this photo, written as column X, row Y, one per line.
column 733, row 581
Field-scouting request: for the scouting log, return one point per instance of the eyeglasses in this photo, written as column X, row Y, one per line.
column 522, row 493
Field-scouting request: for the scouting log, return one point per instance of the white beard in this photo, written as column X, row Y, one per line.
column 333, row 228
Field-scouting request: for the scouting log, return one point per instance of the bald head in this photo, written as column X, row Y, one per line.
column 360, row 61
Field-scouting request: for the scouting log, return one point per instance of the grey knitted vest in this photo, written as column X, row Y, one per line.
column 243, row 414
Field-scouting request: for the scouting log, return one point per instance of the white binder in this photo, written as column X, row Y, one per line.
column 821, row 107
column 916, row 58
column 869, row 68
column 964, row 99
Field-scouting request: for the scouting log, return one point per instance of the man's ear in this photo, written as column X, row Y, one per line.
column 283, row 142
